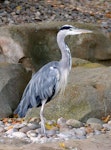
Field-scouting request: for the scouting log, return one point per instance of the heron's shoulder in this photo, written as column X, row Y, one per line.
column 50, row 69
column 51, row 65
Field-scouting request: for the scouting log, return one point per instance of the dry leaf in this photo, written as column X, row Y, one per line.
column 106, row 119
column 49, row 127
column 10, row 127
column 62, row 145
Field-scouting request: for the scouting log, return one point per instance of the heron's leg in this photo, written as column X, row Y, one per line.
column 42, row 118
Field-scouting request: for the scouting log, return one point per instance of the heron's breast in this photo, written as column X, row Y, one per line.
column 63, row 80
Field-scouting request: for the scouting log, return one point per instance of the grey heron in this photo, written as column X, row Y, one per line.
column 50, row 79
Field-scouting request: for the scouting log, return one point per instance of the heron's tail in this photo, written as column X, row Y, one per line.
column 22, row 108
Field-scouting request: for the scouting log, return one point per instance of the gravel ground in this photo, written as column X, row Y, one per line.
column 32, row 11
column 56, row 131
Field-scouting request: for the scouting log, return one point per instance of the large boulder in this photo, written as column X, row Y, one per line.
column 13, row 79
column 88, row 94
column 10, row 50
column 38, row 42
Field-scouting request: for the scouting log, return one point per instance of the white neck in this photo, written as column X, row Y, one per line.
column 66, row 60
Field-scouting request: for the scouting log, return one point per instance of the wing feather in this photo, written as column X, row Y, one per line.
column 42, row 85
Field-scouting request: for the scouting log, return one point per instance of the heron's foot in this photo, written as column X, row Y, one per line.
column 43, row 134
column 43, row 130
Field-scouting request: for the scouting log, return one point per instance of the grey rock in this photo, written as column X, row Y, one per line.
column 74, row 123
column 6, row 2
column 19, row 126
column 109, row 122
column 64, row 135
column 64, row 128
column 94, row 120
column 32, row 133
column 2, row 129
column 11, row 131
column 1, row 123
column 19, row 135
column 95, row 123
column 33, row 126
column 13, row 80
column 34, row 120
column 96, row 126
column 97, row 132
column 25, row 129
column 9, row 121
column 107, row 126
column 50, row 133
column 7, row 126
column 11, row 50
column 89, row 135
column 61, row 122
column 81, row 137
column 80, row 132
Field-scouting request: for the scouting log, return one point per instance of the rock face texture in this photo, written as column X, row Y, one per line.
column 38, row 42
column 10, row 50
column 12, row 83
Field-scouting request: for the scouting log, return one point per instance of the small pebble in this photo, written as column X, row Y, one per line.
column 1, row 123
column 19, row 135
column 89, row 135
column 80, row 132
column 34, row 120
column 97, row 132
column 50, row 133
column 2, row 129
column 109, row 122
column 32, row 133
column 61, row 121
column 24, row 129
column 33, row 126
column 19, row 126
column 107, row 126
column 38, row 130
column 94, row 120
column 95, row 123
column 9, row 120
column 64, row 135
column 11, row 131
column 74, row 123
column 96, row 126
column 64, row 130
column 6, row 2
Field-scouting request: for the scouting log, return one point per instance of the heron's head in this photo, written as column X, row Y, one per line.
column 71, row 30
